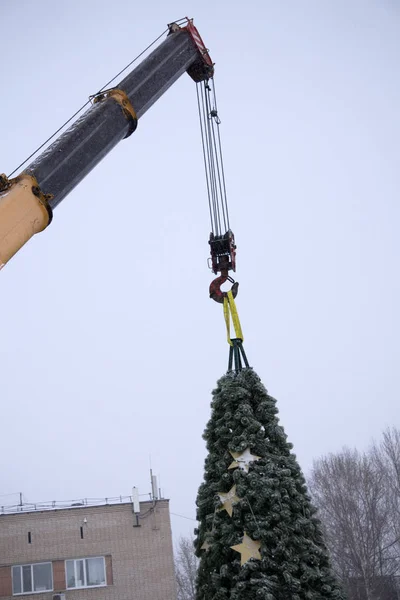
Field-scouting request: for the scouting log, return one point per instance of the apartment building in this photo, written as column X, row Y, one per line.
column 87, row 551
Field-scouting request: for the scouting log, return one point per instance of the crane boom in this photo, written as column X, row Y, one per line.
column 28, row 200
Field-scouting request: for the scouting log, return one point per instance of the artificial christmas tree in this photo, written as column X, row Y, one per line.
column 258, row 536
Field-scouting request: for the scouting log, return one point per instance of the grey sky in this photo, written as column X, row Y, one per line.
column 110, row 346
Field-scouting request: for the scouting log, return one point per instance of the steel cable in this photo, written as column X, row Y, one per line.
column 220, row 152
column 204, row 158
column 212, row 156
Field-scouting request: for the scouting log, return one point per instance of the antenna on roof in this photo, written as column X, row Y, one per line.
column 136, row 505
column 154, row 488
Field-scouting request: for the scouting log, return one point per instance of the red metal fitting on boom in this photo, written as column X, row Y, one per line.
column 203, row 68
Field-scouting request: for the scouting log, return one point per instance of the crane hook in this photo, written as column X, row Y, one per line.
column 215, row 287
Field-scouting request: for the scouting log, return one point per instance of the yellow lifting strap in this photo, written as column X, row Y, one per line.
column 230, row 310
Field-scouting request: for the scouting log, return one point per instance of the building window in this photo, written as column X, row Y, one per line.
column 27, row 579
column 85, row 572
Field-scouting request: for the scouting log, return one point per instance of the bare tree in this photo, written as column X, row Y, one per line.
column 387, row 455
column 359, row 504
column 185, row 569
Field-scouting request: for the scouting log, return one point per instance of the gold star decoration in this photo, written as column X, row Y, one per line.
column 205, row 546
column 228, row 499
column 248, row 549
column 243, row 460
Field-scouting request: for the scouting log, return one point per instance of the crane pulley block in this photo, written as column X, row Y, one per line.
column 223, row 252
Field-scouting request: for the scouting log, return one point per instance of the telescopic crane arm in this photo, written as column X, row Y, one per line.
column 27, row 201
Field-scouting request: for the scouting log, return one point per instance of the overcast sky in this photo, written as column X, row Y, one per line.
column 110, row 346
